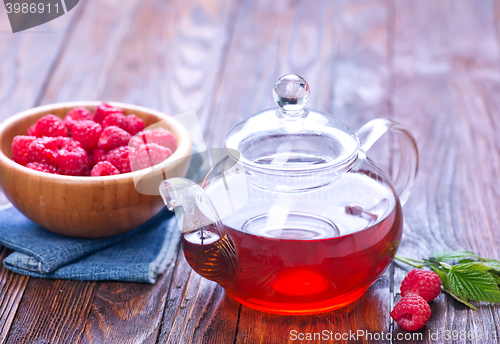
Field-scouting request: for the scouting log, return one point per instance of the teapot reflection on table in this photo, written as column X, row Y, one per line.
column 295, row 219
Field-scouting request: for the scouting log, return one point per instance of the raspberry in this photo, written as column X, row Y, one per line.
column 119, row 157
column 136, row 124
column 87, row 133
column 73, row 161
column 160, row 136
column 113, row 137
column 51, row 126
column 103, row 111
column 104, row 168
column 31, row 130
column 411, row 313
column 118, row 120
column 148, row 155
column 44, row 150
column 76, row 115
column 425, row 284
column 67, row 155
column 20, row 148
column 40, row 166
column 99, row 155
column 65, row 142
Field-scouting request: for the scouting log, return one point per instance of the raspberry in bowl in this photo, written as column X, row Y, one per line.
column 51, row 180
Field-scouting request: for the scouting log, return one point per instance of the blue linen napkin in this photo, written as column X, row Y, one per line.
column 136, row 256
column 139, row 255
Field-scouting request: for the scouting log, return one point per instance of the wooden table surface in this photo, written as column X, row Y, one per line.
column 432, row 65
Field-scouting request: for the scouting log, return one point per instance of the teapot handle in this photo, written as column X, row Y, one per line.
column 404, row 168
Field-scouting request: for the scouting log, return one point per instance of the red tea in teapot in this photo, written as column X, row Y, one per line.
column 302, row 270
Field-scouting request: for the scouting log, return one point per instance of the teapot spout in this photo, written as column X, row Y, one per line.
column 196, row 208
column 208, row 248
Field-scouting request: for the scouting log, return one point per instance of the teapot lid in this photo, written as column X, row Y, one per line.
column 291, row 138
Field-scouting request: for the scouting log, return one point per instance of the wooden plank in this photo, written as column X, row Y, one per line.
column 197, row 310
column 439, row 47
column 489, row 89
column 162, row 55
column 361, row 69
column 95, row 46
column 52, row 311
column 127, row 312
column 12, row 288
column 420, row 94
column 290, row 38
column 22, row 76
column 361, row 73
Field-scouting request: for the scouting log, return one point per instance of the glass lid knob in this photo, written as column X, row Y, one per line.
column 291, row 92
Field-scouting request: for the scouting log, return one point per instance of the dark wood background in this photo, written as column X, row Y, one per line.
column 433, row 65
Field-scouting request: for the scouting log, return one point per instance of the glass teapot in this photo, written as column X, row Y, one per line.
column 295, row 219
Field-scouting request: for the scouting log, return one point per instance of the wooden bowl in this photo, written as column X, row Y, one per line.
column 85, row 207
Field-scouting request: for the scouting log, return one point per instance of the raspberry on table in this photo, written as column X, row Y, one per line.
column 113, row 137
column 104, row 168
column 87, row 133
column 42, row 167
column 51, row 126
column 73, row 161
column 148, row 155
column 118, row 120
column 120, row 158
column 426, row 284
column 135, row 123
column 20, row 148
column 104, row 110
column 411, row 313
column 160, row 136
column 99, row 155
column 76, row 115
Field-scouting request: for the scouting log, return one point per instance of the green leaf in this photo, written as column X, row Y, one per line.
column 465, row 302
column 495, row 266
column 471, row 281
column 445, row 255
column 496, row 278
column 431, row 262
column 471, row 266
column 489, row 260
column 459, row 299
